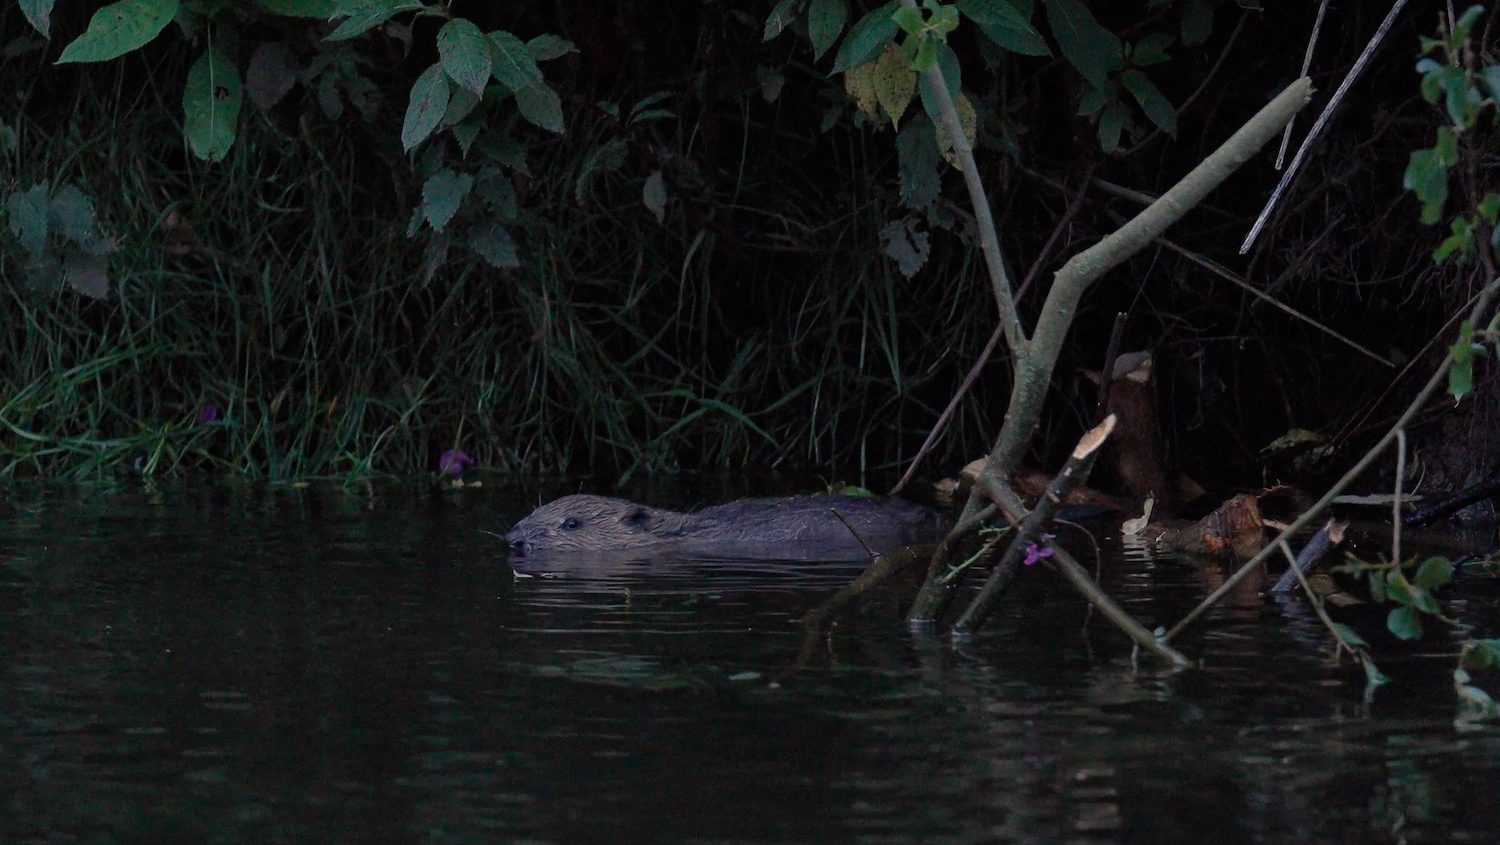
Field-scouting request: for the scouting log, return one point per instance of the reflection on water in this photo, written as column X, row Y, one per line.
column 244, row 665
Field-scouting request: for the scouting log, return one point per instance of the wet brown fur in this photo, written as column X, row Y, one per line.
column 791, row 526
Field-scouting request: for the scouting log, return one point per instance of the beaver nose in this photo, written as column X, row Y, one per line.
column 517, row 543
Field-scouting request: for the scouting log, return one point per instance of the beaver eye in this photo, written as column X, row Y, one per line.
column 569, row 524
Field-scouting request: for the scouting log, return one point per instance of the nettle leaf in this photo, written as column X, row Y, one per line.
column 895, row 83
column 26, row 216
column 498, row 193
column 512, row 63
column 88, row 274
column 72, row 213
column 1003, row 24
column 907, row 246
column 271, row 74
column 1152, row 102
column 364, row 15
column 1197, row 22
column 211, row 105
column 917, row 153
column 859, row 83
column 1404, row 623
column 322, row 9
column 825, row 20
column 968, row 119
column 540, row 106
column 867, row 38
column 39, row 14
column 546, row 47
column 442, row 193
column 429, row 101
column 1090, row 48
column 493, row 243
column 464, row 52
column 119, row 28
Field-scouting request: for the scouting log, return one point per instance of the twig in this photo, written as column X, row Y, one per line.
column 1312, row 41
column 1321, row 543
column 1320, row 123
column 1074, row 472
column 1396, row 498
column 1315, row 599
column 1226, row 274
column 1107, row 375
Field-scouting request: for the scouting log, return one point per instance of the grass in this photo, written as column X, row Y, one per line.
column 279, row 288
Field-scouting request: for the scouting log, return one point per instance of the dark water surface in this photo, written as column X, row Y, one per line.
column 250, row 665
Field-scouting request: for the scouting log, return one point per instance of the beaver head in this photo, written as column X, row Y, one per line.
column 584, row 523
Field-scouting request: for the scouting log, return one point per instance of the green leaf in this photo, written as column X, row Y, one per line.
column 1003, row 24
column 1151, row 50
column 546, row 47
column 364, row 15
column 1404, row 623
column 442, row 193
column 119, row 28
column 825, row 20
column 917, row 154
column 1398, row 588
column 1090, row 48
column 72, row 212
column 1490, row 76
column 907, row 246
column 321, row 9
column 1481, row 654
column 86, row 273
column 1348, row 636
column 540, row 106
column 429, row 101
column 1111, row 124
column 498, row 193
column 780, row 18
column 654, row 195
column 1427, row 177
column 910, row 20
column 1197, row 22
column 1425, row 602
column 867, row 38
column 894, row 84
column 39, row 14
column 26, row 216
column 493, row 243
column 465, row 54
column 512, row 62
column 1152, row 102
column 947, row 63
column 211, row 105
column 461, row 103
column 1377, row 587
column 1093, row 101
column 1460, row 241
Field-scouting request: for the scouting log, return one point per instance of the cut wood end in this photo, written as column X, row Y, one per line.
column 1094, row 438
column 1335, row 530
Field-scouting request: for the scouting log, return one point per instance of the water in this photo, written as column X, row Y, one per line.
column 250, row 665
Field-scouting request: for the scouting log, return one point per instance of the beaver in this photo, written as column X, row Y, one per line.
column 787, row 527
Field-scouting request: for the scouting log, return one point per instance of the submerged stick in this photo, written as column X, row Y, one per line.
column 1323, row 542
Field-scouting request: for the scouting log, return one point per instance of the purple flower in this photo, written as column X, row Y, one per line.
column 208, row 413
column 454, row 462
column 1036, row 551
